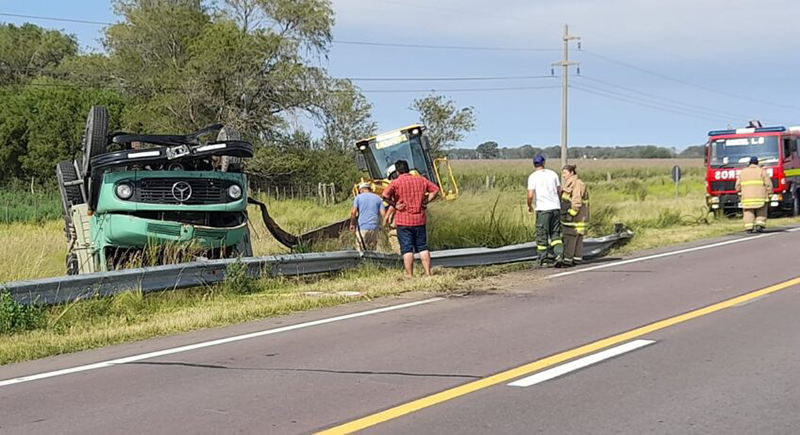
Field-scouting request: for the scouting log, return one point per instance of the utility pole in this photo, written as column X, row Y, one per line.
column 565, row 64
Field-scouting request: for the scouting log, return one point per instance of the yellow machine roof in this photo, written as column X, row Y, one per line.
column 392, row 131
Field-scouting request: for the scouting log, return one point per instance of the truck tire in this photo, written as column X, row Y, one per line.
column 70, row 195
column 795, row 203
column 230, row 163
column 73, row 268
column 95, row 137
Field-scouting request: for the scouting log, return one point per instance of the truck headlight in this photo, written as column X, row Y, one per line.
column 124, row 191
column 713, row 200
column 235, row 192
column 776, row 197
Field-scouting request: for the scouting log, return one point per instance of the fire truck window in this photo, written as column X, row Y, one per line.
column 787, row 148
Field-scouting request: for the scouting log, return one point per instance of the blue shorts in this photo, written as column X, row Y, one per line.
column 412, row 239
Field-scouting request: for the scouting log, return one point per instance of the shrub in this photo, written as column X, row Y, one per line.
column 635, row 188
column 237, row 279
column 15, row 317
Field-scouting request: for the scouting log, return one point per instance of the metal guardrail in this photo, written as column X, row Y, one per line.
column 48, row 291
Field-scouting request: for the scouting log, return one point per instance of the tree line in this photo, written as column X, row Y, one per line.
column 175, row 66
column 491, row 150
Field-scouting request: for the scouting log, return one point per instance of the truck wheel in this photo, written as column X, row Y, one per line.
column 73, row 268
column 70, row 195
column 95, row 137
column 795, row 204
column 230, row 163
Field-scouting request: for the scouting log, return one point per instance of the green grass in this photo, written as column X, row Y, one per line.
column 134, row 316
column 18, row 204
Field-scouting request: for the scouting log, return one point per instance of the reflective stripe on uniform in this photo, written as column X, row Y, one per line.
column 748, row 226
column 752, row 183
column 556, row 242
column 572, row 212
column 566, row 196
column 541, row 247
column 756, row 201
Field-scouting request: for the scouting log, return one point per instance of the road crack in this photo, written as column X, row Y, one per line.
column 309, row 370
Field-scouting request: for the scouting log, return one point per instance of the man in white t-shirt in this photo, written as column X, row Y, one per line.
column 543, row 188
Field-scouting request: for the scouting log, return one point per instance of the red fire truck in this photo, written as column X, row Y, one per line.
column 728, row 151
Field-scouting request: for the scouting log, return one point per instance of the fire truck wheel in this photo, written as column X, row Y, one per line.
column 795, row 204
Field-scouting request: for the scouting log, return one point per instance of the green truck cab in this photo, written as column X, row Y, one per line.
column 131, row 192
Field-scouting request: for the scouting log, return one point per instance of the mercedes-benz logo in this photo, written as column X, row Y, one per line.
column 182, row 191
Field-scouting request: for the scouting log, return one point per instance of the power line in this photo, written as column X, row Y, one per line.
column 519, row 88
column 66, row 20
column 442, row 79
column 335, row 41
column 440, row 47
column 656, row 106
column 687, row 83
column 369, row 91
column 653, row 105
column 710, row 111
column 363, row 79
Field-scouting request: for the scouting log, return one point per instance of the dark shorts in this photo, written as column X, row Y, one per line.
column 412, row 239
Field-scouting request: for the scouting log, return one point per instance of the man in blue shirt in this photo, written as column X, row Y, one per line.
column 365, row 218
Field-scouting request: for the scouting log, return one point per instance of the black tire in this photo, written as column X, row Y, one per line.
column 95, row 137
column 73, row 268
column 795, row 203
column 70, row 195
column 230, row 163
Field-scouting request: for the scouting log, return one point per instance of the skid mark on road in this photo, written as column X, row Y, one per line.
column 218, row 342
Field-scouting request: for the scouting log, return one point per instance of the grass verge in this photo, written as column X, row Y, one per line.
column 135, row 316
column 132, row 316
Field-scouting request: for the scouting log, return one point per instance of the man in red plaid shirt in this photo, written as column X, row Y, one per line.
column 410, row 195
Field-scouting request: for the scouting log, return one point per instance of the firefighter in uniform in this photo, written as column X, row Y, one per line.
column 574, row 215
column 754, row 186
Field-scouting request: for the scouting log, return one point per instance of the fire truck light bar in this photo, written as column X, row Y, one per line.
column 746, row 131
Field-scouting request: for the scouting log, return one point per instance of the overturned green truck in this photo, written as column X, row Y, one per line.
column 131, row 191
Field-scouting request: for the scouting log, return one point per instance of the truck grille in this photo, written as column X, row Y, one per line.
column 162, row 191
column 730, row 185
column 723, row 186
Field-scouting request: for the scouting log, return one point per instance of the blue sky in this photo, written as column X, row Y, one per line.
column 730, row 59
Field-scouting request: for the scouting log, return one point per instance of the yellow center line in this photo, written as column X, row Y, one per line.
column 502, row 377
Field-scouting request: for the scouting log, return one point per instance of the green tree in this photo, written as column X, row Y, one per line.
column 345, row 117
column 445, row 122
column 28, row 51
column 488, row 150
column 247, row 66
column 55, row 122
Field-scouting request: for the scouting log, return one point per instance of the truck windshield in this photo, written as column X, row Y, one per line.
column 736, row 152
column 380, row 158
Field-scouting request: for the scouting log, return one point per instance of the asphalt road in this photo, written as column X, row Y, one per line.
column 443, row 366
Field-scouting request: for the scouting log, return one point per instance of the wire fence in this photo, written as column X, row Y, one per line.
column 323, row 193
